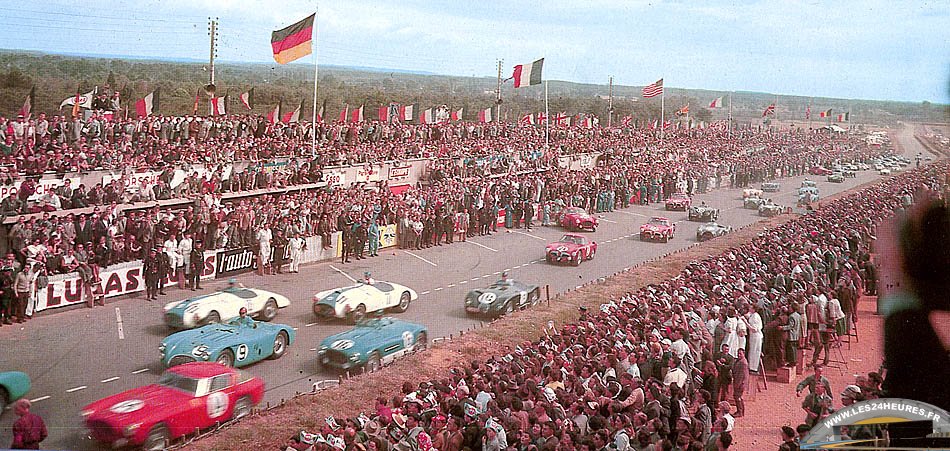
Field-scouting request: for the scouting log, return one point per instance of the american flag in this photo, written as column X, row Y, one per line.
column 769, row 110
column 653, row 90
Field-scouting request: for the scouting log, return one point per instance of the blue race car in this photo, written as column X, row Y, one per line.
column 237, row 343
column 13, row 385
column 372, row 343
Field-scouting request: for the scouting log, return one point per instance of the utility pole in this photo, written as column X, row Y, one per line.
column 213, row 32
column 498, row 92
column 610, row 101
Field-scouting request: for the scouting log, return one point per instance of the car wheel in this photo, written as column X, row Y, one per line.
column 510, row 307
column 373, row 364
column 157, row 439
column 226, row 358
column 213, row 318
column 270, row 310
column 280, row 345
column 358, row 314
column 576, row 261
column 666, row 238
column 242, row 408
column 643, row 237
column 404, row 302
column 534, row 296
column 422, row 342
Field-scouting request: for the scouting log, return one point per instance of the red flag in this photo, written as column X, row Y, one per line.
column 527, row 119
column 770, row 110
column 149, row 104
column 717, row 103
column 274, row 115
column 683, row 111
column 825, row 113
column 357, row 115
column 562, row 119
column 457, row 115
column 344, row 113
column 484, row 116
column 626, row 121
column 194, row 111
column 218, row 106
column 247, row 99
column 405, row 113
column 542, row 117
column 384, row 114
column 292, row 116
column 426, row 116
column 27, row 109
column 294, row 41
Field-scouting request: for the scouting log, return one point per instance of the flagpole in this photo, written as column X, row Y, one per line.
column 547, row 120
column 662, row 114
column 729, row 119
column 313, row 120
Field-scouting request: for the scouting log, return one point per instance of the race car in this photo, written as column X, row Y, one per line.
column 807, row 194
column 769, row 209
column 577, row 219
column 238, row 343
column 13, row 385
column 354, row 302
column 373, row 343
column 770, row 187
column 222, row 306
column 571, row 248
column 501, row 298
column 809, row 184
column 187, row 398
column 751, row 192
column 658, row 229
column 711, row 230
column 837, row 177
column 678, row 202
column 752, row 203
column 818, row 170
column 703, row 213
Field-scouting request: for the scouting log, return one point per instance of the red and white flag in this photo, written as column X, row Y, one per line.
column 528, row 74
column 247, row 99
column 655, row 123
column 769, row 110
column 527, row 119
column 274, row 115
column 148, row 105
column 357, row 115
column 562, row 119
column 344, row 113
column 218, row 106
column 484, row 116
column 626, row 121
column 384, row 114
column 27, row 109
column 716, row 103
column 653, row 90
column 426, row 117
column 293, row 116
column 457, row 115
column 405, row 113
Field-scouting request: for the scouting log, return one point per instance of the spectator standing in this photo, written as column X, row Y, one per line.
column 296, row 245
column 197, row 265
column 29, row 430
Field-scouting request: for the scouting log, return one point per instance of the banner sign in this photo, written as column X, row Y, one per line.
column 42, row 187
column 67, row 289
column 235, row 261
column 336, row 177
column 367, row 173
column 397, row 173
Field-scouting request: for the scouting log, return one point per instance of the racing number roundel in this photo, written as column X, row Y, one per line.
column 562, row 248
column 407, row 339
column 242, row 352
column 487, row 298
column 217, row 404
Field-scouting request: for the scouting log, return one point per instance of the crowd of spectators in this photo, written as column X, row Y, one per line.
column 661, row 368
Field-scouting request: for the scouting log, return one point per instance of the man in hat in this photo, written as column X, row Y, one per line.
column 152, row 271
column 196, row 263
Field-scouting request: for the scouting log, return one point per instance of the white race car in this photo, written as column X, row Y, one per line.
column 354, row 302
column 223, row 306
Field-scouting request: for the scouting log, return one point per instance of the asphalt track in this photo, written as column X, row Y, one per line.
column 78, row 356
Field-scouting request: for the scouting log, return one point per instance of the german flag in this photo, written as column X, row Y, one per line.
column 293, row 42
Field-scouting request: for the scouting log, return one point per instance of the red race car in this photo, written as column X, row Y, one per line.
column 191, row 396
column 658, row 229
column 576, row 218
column 571, row 248
column 678, row 202
column 818, row 170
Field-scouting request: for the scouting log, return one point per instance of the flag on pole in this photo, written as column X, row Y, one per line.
column 542, row 117
column 426, row 117
column 274, row 115
column 344, row 115
column 148, row 104
column 845, row 117
column 321, row 111
column 293, row 116
column 457, row 115
column 357, row 115
column 484, row 116
column 82, row 100
column 383, row 114
column 808, row 112
column 769, row 110
column 683, row 111
column 528, row 74
column 655, row 123
column 626, row 121
column 247, row 99
column 562, row 119
column 27, row 109
column 218, row 106
column 653, row 90
column 825, row 113
column 405, row 113
column 194, row 110
column 527, row 119
column 717, row 103
column 293, row 42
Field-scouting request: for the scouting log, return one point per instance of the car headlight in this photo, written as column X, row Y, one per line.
column 130, row 429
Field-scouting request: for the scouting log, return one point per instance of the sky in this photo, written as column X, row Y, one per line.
column 870, row 49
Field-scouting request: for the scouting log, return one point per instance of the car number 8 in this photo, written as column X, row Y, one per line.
column 242, row 352
column 217, row 404
column 523, row 296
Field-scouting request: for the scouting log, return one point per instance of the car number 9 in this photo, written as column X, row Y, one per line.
column 242, row 352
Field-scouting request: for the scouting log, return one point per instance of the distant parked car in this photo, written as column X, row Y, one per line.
column 769, row 210
column 752, row 203
column 818, row 170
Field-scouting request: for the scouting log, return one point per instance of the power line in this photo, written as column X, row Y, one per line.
column 73, row 22
column 94, row 16
column 50, row 27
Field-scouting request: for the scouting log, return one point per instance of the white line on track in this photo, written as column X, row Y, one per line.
column 528, row 234
column 499, row 272
column 114, row 378
column 463, row 282
column 424, row 292
column 140, row 371
column 310, row 324
column 474, row 279
column 482, row 246
column 343, row 272
column 612, row 222
column 450, row 285
column 632, row 213
column 420, row 258
column 440, row 289
column 118, row 323
column 489, row 275
column 41, row 398
column 81, row 387
column 314, row 349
